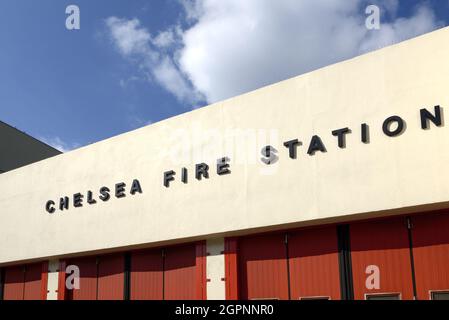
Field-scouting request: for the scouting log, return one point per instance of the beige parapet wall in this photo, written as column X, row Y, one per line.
column 361, row 180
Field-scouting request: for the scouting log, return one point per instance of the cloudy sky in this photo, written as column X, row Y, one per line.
column 136, row 62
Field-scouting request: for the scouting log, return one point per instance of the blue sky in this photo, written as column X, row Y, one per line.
column 137, row 62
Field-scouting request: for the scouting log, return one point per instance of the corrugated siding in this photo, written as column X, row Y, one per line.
column 431, row 253
column 263, row 267
column 180, row 273
column 88, row 279
column 313, row 258
column 231, row 269
column 25, row 282
column 111, row 277
column 14, row 283
column 200, row 256
column 146, row 275
column 62, row 290
column 383, row 243
column 33, row 283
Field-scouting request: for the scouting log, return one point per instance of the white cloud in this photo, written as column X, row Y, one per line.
column 401, row 29
column 135, row 42
column 59, row 144
column 234, row 46
column 167, row 74
column 192, row 8
column 164, row 39
column 237, row 46
column 129, row 37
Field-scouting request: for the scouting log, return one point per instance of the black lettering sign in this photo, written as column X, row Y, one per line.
column 135, row 187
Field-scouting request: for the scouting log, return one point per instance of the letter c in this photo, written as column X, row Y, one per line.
column 49, row 206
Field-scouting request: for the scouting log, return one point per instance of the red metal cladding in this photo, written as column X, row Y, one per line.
column 231, row 268
column 62, row 290
column 33, row 282
column 314, row 268
column 201, row 287
column 383, row 244
column 430, row 235
column 180, row 273
column 111, row 279
column 263, row 267
column 88, row 279
column 44, row 280
column 14, row 283
column 27, row 282
column 146, row 275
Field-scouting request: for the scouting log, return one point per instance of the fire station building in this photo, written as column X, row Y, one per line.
column 331, row 185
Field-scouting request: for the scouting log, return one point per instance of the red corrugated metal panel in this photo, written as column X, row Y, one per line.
column 231, row 269
column 263, row 267
column 201, row 287
column 111, row 277
column 14, row 283
column 180, row 273
column 62, row 290
column 385, row 244
column 88, row 279
column 146, row 275
column 33, row 283
column 44, row 280
column 313, row 258
column 431, row 253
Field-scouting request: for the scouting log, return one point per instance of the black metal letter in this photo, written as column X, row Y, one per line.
column 389, row 121
column 168, row 176
column 104, row 194
column 316, row 145
column 269, row 155
column 184, row 175
column 340, row 133
column 90, row 198
column 120, row 190
column 49, row 206
column 201, row 170
column 78, row 200
column 64, row 203
column 135, row 187
column 292, row 146
column 365, row 133
column 223, row 166
column 435, row 119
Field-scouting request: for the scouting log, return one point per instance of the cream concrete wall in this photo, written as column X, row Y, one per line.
column 380, row 177
column 215, row 269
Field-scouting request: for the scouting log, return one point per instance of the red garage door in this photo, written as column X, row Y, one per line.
column 263, row 267
column 27, row 282
column 88, row 279
column 102, row 281
column 382, row 246
column 174, row 273
column 34, row 282
column 14, row 283
column 313, row 259
column 147, row 275
column 431, row 255
column 180, row 273
column 111, row 277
